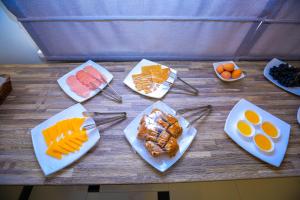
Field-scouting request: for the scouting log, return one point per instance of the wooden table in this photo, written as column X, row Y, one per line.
column 36, row 96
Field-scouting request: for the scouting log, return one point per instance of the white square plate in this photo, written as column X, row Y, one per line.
column 237, row 113
column 160, row 91
column 235, row 67
column 48, row 164
column 63, row 84
column 276, row 62
column 161, row 163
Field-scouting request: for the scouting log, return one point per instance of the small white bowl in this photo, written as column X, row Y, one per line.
column 278, row 130
column 243, row 135
column 259, row 122
column 262, row 150
column 243, row 75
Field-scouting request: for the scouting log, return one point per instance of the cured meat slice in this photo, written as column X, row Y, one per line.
column 88, row 80
column 94, row 72
column 77, row 87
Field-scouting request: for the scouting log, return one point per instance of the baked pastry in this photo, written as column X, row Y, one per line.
column 160, row 132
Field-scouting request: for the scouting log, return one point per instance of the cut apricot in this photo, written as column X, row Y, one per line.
column 226, row 75
column 228, row 67
column 220, row 69
column 236, row 73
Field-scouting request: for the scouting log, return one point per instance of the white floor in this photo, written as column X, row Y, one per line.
column 274, row 189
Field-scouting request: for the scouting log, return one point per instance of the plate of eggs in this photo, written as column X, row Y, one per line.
column 228, row 71
column 260, row 133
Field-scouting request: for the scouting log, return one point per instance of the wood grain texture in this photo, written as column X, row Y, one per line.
column 36, row 96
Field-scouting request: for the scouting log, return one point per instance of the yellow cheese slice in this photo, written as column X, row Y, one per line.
column 81, row 136
column 63, row 144
column 59, row 149
column 148, row 69
column 63, row 126
column 75, row 142
column 47, row 135
column 65, row 137
column 53, row 153
column 77, row 123
column 59, row 128
column 73, row 139
column 71, row 144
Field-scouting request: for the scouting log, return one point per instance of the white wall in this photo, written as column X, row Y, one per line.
column 16, row 46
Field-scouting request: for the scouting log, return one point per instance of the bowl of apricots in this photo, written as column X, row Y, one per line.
column 228, row 71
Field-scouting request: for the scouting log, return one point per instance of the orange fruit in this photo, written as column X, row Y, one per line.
column 228, row 67
column 226, row 75
column 220, row 69
column 236, row 73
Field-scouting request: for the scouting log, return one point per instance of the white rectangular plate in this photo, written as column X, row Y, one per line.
column 160, row 91
column 223, row 79
column 161, row 163
column 280, row 146
column 63, row 84
column 276, row 62
column 48, row 164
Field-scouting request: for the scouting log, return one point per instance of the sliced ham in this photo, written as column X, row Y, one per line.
column 88, row 80
column 77, row 87
column 91, row 70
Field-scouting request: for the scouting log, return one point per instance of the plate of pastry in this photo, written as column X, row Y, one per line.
column 284, row 75
column 85, row 81
column 160, row 136
column 61, row 140
column 150, row 79
column 260, row 133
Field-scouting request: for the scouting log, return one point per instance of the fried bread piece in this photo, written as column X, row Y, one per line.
column 153, row 148
column 160, row 132
column 175, row 130
column 170, row 119
column 163, row 138
column 156, row 113
column 163, row 123
column 148, row 129
column 172, row 147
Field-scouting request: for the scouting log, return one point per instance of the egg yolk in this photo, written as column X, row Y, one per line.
column 263, row 142
column 269, row 129
column 252, row 116
column 244, row 128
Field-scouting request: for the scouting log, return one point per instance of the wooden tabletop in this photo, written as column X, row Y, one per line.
column 36, row 96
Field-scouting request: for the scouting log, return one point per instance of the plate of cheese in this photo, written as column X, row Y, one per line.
column 151, row 79
column 61, row 140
